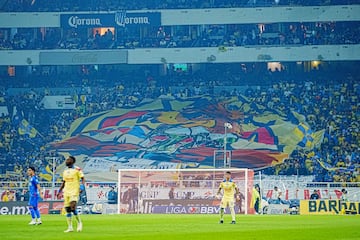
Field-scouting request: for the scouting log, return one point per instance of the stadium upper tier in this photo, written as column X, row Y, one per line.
column 113, row 5
column 129, row 19
column 215, row 35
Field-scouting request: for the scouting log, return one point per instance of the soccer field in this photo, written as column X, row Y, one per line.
column 187, row 227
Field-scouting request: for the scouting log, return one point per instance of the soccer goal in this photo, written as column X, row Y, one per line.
column 222, row 160
column 180, row 191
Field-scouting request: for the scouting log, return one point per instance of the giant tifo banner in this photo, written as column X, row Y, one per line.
column 185, row 133
column 328, row 207
column 118, row 19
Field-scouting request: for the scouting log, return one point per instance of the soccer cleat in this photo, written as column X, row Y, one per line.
column 233, row 222
column 33, row 222
column 39, row 222
column 79, row 227
column 221, row 221
column 69, row 230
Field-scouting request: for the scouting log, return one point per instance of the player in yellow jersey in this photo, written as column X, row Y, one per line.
column 230, row 189
column 73, row 183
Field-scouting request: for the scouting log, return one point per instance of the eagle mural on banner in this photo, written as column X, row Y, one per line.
column 184, row 133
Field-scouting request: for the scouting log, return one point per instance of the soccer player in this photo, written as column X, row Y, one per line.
column 35, row 195
column 229, row 188
column 73, row 183
column 278, row 195
column 344, row 199
column 256, row 199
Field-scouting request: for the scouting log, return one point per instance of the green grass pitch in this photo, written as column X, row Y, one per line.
column 188, row 227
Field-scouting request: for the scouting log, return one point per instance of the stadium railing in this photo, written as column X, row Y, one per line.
column 290, row 189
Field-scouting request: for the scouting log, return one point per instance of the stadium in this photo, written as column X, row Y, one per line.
column 180, row 115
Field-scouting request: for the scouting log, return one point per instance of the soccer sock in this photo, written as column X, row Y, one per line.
column 69, row 219
column 37, row 212
column 232, row 211
column 77, row 216
column 32, row 213
column 221, row 213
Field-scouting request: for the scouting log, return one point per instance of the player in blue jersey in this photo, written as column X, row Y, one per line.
column 35, row 195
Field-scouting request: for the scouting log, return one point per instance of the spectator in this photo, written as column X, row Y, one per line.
column 315, row 195
column 134, row 199
column 344, row 196
column 112, row 196
column 6, row 196
column 171, row 193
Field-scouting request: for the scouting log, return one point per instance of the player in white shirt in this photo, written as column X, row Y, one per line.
column 277, row 195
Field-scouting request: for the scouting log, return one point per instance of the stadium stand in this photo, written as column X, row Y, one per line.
column 295, row 34
column 328, row 98
column 333, row 106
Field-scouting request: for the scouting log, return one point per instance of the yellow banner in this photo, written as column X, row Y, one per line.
column 328, row 207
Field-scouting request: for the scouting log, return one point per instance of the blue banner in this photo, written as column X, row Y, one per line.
column 118, row 19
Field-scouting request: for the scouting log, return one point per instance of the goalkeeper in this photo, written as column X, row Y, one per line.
column 229, row 188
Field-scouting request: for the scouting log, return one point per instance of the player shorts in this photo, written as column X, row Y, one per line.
column 227, row 202
column 69, row 199
column 33, row 201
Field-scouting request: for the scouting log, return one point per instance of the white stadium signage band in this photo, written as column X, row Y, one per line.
column 118, row 19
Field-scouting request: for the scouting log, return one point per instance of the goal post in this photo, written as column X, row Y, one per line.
column 179, row 191
column 221, row 160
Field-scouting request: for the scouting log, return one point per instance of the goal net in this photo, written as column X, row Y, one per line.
column 180, row 191
column 222, row 160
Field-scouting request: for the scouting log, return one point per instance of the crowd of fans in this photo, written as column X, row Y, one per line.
column 319, row 33
column 328, row 99
column 331, row 106
column 114, row 5
column 17, row 150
